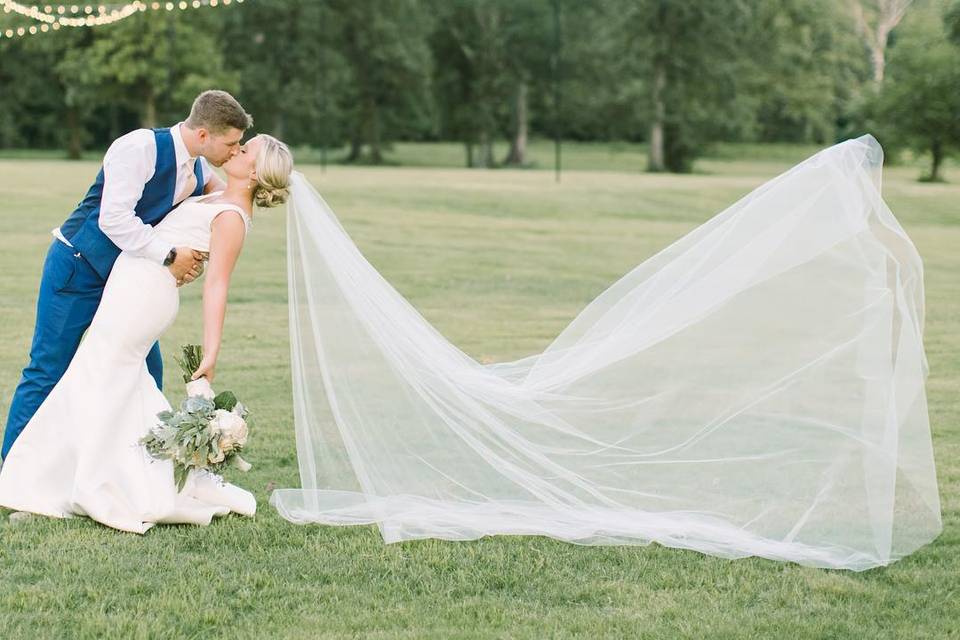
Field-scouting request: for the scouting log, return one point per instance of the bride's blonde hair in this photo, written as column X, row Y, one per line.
column 274, row 165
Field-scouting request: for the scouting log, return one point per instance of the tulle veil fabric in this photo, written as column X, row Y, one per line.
column 754, row 389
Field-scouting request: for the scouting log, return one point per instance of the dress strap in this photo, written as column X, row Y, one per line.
column 221, row 207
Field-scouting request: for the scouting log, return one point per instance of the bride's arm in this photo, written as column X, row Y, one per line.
column 226, row 239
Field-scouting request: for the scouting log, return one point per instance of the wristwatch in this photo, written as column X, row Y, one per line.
column 170, row 258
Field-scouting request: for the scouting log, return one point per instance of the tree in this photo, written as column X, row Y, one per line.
column 472, row 88
column 388, row 63
column 291, row 70
column 529, row 36
column 875, row 19
column 919, row 106
column 601, row 90
column 810, row 73
column 48, row 99
column 78, row 84
column 158, row 61
column 688, row 58
column 952, row 21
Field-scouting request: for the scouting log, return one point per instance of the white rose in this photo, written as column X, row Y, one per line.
column 231, row 428
column 200, row 387
column 240, row 410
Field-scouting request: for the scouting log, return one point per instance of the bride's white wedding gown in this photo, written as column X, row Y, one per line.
column 79, row 454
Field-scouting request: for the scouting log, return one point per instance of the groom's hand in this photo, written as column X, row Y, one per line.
column 197, row 269
column 187, row 266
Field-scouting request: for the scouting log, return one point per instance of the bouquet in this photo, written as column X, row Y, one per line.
column 208, row 431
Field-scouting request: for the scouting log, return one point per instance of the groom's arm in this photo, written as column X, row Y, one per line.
column 127, row 166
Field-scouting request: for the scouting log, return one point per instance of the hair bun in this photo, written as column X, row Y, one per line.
column 274, row 166
column 271, row 196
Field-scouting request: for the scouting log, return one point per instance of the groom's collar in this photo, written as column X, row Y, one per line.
column 179, row 146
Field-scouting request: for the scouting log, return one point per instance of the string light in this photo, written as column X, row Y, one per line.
column 90, row 20
column 91, row 15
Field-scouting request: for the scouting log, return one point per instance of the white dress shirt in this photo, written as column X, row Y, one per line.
column 127, row 167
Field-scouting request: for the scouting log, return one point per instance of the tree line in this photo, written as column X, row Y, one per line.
column 358, row 75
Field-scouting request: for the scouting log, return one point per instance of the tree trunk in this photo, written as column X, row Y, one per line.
column 284, row 71
column 879, row 62
column 468, row 148
column 373, row 133
column 518, row 144
column 74, row 145
column 356, row 147
column 936, row 150
column 655, row 154
column 486, row 150
column 886, row 15
column 149, row 109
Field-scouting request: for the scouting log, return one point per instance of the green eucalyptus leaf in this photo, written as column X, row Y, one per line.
column 225, row 400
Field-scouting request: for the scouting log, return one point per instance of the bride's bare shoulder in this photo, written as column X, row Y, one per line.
column 217, row 199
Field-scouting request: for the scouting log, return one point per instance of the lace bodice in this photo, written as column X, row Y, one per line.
column 189, row 224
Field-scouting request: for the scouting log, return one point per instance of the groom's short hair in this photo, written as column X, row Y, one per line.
column 216, row 111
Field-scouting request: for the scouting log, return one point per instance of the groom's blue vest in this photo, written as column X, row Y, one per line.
column 82, row 228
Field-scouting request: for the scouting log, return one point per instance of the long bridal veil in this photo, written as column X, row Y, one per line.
column 755, row 388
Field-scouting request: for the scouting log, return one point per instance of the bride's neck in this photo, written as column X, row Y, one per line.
column 239, row 190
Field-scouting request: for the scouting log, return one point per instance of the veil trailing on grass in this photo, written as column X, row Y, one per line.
column 755, row 388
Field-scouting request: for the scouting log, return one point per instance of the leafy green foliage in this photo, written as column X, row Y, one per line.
column 919, row 105
column 188, row 438
column 225, row 400
column 189, row 360
column 359, row 75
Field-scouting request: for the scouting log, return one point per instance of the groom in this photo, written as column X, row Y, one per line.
column 145, row 174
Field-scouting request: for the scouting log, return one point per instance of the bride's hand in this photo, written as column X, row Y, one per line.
column 207, row 368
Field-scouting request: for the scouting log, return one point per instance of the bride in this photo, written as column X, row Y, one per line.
column 80, row 453
column 754, row 389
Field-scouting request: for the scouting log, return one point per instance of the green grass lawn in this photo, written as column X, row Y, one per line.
column 500, row 261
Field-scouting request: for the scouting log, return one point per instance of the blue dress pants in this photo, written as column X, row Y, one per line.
column 70, row 292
